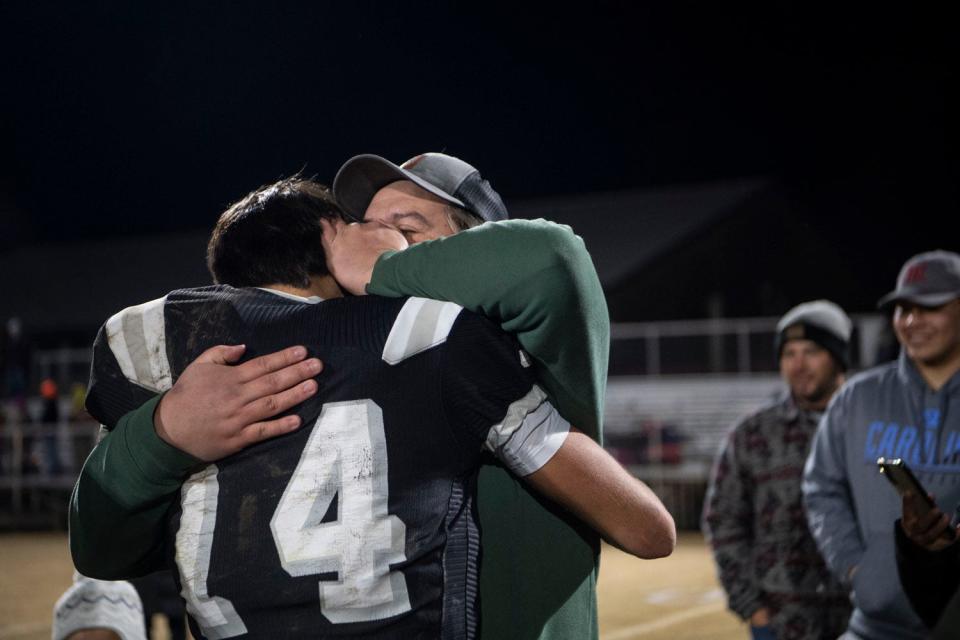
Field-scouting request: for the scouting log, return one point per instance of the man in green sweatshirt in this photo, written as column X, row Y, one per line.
column 537, row 280
column 539, row 579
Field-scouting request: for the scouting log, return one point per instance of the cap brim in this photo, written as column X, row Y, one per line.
column 360, row 177
column 922, row 299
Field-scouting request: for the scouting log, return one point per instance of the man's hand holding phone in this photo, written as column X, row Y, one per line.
column 926, row 527
column 923, row 522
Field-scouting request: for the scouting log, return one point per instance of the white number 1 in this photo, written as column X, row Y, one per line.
column 345, row 458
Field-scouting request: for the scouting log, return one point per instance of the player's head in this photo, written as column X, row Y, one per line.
column 926, row 316
column 97, row 609
column 813, row 350
column 272, row 236
column 429, row 196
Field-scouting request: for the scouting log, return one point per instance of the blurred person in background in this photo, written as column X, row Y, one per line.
column 78, row 395
column 14, row 361
column 98, row 610
column 14, row 367
column 49, row 420
column 753, row 514
column 907, row 409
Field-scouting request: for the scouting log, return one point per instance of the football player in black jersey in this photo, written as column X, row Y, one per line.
column 361, row 523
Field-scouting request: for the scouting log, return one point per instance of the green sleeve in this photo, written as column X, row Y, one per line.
column 536, row 278
column 119, row 504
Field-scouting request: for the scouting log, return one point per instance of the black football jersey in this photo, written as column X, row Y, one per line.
column 361, row 523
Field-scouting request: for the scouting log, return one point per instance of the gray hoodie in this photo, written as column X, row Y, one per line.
column 887, row 411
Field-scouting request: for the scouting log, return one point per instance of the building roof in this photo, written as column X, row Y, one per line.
column 626, row 230
column 79, row 285
column 67, row 286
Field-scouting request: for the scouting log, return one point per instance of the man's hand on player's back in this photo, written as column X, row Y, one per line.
column 217, row 408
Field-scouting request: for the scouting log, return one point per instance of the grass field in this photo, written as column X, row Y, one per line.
column 676, row 598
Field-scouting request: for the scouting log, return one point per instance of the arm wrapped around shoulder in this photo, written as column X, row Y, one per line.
column 536, row 280
column 585, row 479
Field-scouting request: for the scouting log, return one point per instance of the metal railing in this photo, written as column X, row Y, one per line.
column 718, row 345
column 38, row 468
column 724, row 351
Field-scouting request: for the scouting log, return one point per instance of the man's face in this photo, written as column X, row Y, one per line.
column 810, row 372
column 929, row 335
column 416, row 213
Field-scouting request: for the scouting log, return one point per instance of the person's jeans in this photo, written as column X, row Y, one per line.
column 762, row 633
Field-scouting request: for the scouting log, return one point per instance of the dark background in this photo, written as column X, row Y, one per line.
column 124, row 119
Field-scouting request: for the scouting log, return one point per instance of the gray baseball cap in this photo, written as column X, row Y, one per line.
column 446, row 177
column 929, row 279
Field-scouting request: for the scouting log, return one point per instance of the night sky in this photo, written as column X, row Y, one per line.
column 122, row 117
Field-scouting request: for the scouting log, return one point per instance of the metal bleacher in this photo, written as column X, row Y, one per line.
column 698, row 411
column 701, row 408
column 699, row 378
column 39, row 464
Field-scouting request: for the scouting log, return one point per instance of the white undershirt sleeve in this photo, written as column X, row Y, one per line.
column 529, row 435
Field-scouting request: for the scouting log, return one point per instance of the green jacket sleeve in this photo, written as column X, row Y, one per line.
column 537, row 280
column 119, row 503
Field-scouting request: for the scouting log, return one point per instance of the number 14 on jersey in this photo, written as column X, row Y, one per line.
column 345, row 459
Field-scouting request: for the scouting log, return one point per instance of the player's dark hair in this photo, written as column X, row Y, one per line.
column 272, row 236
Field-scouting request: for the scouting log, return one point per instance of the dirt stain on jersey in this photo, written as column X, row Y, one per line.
column 247, row 524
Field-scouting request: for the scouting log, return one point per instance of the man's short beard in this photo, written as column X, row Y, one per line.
column 822, row 394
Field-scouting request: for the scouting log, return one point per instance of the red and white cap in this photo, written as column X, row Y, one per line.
column 928, row 279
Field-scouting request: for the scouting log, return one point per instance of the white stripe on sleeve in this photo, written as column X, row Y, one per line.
column 137, row 338
column 530, row 434
column 155, row 336
column 420, row 325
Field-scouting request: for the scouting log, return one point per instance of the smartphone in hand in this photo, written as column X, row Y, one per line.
column 898, row 473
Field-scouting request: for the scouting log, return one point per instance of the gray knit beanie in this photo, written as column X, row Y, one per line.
column 99, row 604
column 822, row 322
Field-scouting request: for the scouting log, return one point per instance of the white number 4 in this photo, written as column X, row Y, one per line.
column 345, row 458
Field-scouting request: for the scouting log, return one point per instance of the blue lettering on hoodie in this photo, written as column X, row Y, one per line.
column 930, row 446
column 906, row 445
column 951, row 451
column 891, row 440
column 888, row 442
column 874, row 431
